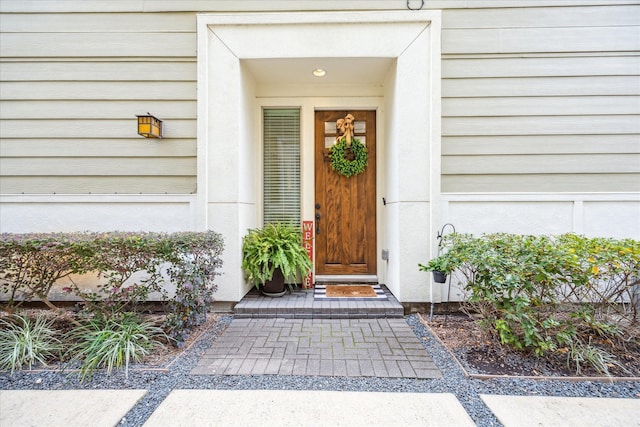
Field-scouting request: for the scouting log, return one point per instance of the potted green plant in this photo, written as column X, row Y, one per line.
column 273, row 256
column 440, row 266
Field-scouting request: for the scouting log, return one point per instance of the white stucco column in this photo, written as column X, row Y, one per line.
column 227, row 159
column 413, row 165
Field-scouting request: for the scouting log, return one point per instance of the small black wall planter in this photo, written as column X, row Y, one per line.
column 439, row 277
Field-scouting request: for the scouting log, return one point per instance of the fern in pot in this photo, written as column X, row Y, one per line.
column 273, row 256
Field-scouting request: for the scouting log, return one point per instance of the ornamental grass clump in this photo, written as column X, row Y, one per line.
column 113, row 342
column 25, row 341
column 580, row 354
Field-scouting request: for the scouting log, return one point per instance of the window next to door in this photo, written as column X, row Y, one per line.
column 281, row 165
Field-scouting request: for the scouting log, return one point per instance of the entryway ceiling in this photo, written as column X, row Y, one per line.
column 299, row 71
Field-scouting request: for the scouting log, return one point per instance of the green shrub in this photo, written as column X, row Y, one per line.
column 30, row 264
column 541, row 294
column 113, row 342
column 603, row 271
column 116, row 257
column 196, row 264
column 24, row 341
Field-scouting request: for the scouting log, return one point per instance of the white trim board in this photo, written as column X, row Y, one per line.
column 26, row 213
column 593, row 214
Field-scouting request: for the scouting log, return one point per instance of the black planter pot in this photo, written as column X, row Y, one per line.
column 439, row 277
column 275, row 287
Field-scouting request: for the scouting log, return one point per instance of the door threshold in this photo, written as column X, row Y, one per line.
column 348, row 278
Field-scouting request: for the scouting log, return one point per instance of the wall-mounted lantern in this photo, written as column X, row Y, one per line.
column 149, row 126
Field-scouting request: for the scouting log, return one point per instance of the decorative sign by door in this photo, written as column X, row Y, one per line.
column 307, row 243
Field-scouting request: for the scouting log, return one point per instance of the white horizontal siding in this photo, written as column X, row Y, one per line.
column 528, row 40
column 72, row 84
column 538, row 182
column 63, row 184
column 543, row 164
column 600, row 64
column 586, row 14
column 536, row 144
column 98, row 147
column 85, row 128
column 529, row 78
column 113, row 22
column 96, row 109
column 90, row 45
column 104, row 166
column 541, row 86
column 69, row 70
column 541, row 99
column 542, row 125
column 540, row 106
column 127, row 90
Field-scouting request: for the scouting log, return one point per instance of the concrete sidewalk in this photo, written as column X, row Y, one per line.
column 535, row 411
column 87, row 408
column 234, row 408
column 66, row 408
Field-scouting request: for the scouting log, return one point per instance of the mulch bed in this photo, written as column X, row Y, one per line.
column 480, row 353
column 477, row 351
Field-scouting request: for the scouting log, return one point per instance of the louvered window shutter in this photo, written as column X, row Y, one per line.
column 281, row 165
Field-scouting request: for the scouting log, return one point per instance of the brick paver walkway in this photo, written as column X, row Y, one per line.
column 325, row 347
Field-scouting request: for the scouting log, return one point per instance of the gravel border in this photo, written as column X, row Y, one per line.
column 160, row 383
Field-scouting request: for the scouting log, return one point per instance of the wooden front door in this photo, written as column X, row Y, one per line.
column 345, row 207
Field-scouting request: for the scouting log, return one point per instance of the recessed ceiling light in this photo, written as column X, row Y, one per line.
column 319, row 72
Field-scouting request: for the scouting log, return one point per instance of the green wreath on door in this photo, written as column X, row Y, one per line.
column 344, row 166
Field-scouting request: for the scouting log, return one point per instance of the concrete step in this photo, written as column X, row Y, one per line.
column 302, row 304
